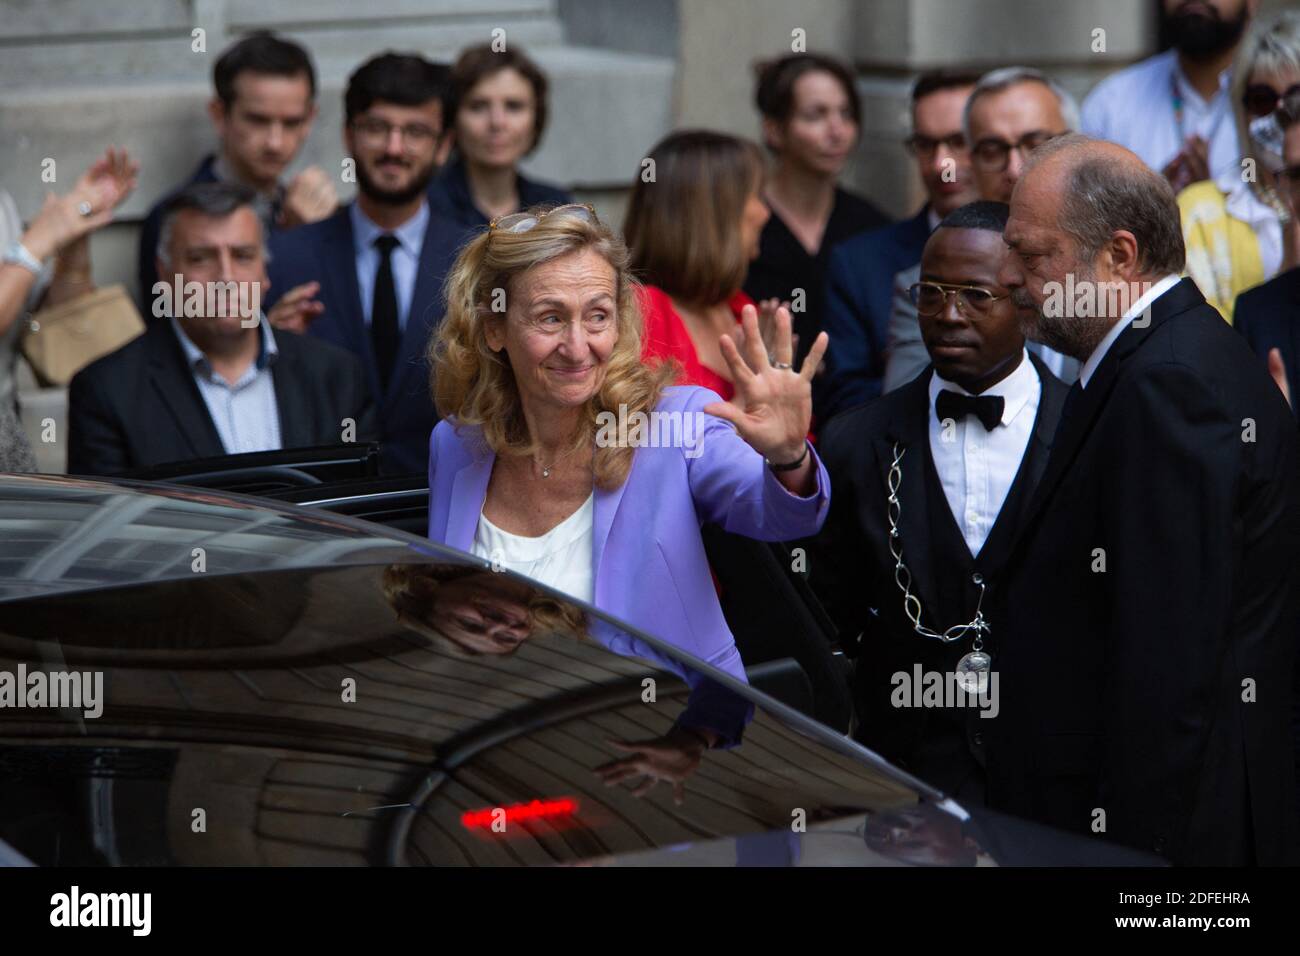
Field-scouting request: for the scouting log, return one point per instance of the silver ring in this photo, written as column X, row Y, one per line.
column 85, row 208
column 782, row 365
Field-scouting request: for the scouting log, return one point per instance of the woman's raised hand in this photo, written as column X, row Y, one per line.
column 772, row 405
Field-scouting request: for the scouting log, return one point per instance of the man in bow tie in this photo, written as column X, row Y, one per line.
column 965, row 442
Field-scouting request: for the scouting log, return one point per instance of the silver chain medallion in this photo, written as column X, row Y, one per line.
column 974, row 667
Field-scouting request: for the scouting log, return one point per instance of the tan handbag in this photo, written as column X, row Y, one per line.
column 62, row 340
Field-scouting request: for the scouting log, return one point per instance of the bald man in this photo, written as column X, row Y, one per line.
column 1147, row 673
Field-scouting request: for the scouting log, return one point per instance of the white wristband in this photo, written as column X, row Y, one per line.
column 19, row 255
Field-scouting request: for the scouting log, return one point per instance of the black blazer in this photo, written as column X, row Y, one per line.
column 324, row 252
column 139, row 406
column 852, row 569
column 1269, row 317
column 1154, row 586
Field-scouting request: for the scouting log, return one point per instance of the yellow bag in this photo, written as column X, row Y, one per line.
column 62, row 340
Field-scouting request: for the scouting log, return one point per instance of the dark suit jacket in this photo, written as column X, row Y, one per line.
column 859, row 293
column 852, row 568
column 449, row 195
column 1269, row 317
column 1153, row 588
column 139, row 406
column 323, row 252
column 146, row 272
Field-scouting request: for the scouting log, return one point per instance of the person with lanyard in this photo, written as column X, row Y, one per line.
column 930, row 484
column 1183, row 127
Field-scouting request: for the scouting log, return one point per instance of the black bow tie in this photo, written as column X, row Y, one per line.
column 954, row 405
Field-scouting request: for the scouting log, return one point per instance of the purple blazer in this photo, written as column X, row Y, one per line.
column 648, row 558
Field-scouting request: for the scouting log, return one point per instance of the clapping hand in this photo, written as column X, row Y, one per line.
column 86, row 207
column 772, row 405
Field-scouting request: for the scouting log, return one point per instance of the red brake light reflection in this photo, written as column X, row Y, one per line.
column 517, row 812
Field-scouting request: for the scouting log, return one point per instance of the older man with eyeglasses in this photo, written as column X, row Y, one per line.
column 1010, row 112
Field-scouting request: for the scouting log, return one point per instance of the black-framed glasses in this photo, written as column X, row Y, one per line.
column 930, row 298
column 518, row 222
column 992, row 155
column 1260, row 99
column 376, row 131
column 924, row 147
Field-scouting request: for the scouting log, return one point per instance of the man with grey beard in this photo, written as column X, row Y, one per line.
column 1147, row 669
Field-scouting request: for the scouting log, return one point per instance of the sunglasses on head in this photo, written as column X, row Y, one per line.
column 518, row 222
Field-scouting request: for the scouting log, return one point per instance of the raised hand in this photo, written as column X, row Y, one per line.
column 671, row 759
column 85, row 208
column 310, row 197
column 297, row 308
column 772, row 405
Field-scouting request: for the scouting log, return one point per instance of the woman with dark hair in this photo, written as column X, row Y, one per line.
column 692, row 229
column 811, row 121
column 496, row 108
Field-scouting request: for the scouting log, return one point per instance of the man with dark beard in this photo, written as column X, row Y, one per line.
column 1173, row 109
column 369, row 278
column 1146, row 670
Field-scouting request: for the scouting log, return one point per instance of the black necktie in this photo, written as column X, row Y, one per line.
column 954, row 405
column 384, row 332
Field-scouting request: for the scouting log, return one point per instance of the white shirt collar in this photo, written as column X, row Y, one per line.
column 1136, row 309
column 933, row 218
column 1185, row 88
column 409, row 234
column 1016, row 389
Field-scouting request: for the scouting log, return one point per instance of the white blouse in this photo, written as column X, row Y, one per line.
column 561, row 558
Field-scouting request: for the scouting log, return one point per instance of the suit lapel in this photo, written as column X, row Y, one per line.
column 341, row 273
column 174, row 384
column 291, row 404
column 606, row 508
column 909, row 431
column 468, row 492
column 425, row 313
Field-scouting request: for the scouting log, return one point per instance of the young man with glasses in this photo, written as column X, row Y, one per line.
column 1010, row 112
column 862, row 269
column 369, row 278
column 1269, row 315
column 935, row 475
column 262, row 110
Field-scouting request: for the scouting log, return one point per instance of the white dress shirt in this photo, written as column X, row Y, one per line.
column 1135, row 108
column 406, row 258
column 976, row 466
column 561, row 558
column 1136, row 309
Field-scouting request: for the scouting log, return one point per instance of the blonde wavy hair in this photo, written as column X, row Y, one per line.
column 474, row 386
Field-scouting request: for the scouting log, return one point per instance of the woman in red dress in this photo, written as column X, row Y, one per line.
column 692, row 230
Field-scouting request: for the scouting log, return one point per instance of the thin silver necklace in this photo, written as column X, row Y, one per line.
column 973, row 669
